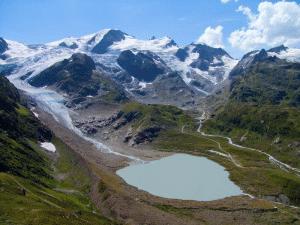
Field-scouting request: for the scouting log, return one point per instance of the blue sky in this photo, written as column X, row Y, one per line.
column 40, row 21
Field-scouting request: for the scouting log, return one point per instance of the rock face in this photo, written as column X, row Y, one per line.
column 78, row 68
column 108, row 39
column 171, row 43
column 71, row 46
column 167, row 89
column 256, row 56
column 248, row 60
column 182, row 54
column 278, row 49
column 126, row 118
column 3, row 45
column 16, row 121
column 210, row 66
column 208, row 56
column 280, row 198
column 146, row 135
column 145, row 66
column 78, row 78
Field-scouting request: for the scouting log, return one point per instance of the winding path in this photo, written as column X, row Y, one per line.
column 272, row 159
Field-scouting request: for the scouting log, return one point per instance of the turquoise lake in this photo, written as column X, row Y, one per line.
column 181, row 176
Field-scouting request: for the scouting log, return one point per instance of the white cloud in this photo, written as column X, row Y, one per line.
column 212, row 37
column 274, row 24
column 246, row 11
column 226, row 1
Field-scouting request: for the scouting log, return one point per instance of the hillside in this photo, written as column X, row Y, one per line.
column 263, row 109
column 30, row 191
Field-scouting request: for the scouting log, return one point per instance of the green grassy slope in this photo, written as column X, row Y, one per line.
column 164, row 116
column 35, row 187
column 251, row 170
column 263, row 110
column 65, row 201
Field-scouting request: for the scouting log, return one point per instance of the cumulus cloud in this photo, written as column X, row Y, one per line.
column 212, row 37
column 273, row 24
column 226, row 1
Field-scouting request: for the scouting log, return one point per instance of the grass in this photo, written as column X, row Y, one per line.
column 23, row 159
column 41, row 205
column 23, row 111
column 66, row 201
column 167, row 117
column 264, row 216
column 72, row 168
column 256, row 176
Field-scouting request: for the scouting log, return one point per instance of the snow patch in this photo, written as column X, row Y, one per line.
column 143, row 84
column 155, row 45
column 34, row 113
column 48, row 146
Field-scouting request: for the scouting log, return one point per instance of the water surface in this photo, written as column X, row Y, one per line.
column 181, row 176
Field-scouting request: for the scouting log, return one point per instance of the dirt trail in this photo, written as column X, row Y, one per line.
column 271, row 158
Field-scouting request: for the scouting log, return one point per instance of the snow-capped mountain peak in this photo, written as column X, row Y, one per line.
column 283, row 52
column 128, row 60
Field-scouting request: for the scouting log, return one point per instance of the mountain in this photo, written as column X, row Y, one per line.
column 278, row 49
column 216, row 62
column 264, row 103
column 112, row 99
column 131, row 62
column 108, row 39
column 78, row 78
column 262, row 111
column 144, row 66
column 3, row 45
column 279, row 52
column 28, row 173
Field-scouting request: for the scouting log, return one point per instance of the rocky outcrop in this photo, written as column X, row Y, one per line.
column 278, row 198
column 71, row 46
column 168, row 88
column 278, row 49
column 208, row 56
column 3, row 45
column 145, row 136
column 126, row 118
column 182, row 54
column 92, row 124
column 144, row 66
column 248, row 60
column 77, row 68
column 108, row 39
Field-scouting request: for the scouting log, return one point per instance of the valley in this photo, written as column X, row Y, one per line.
column 111, row 103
